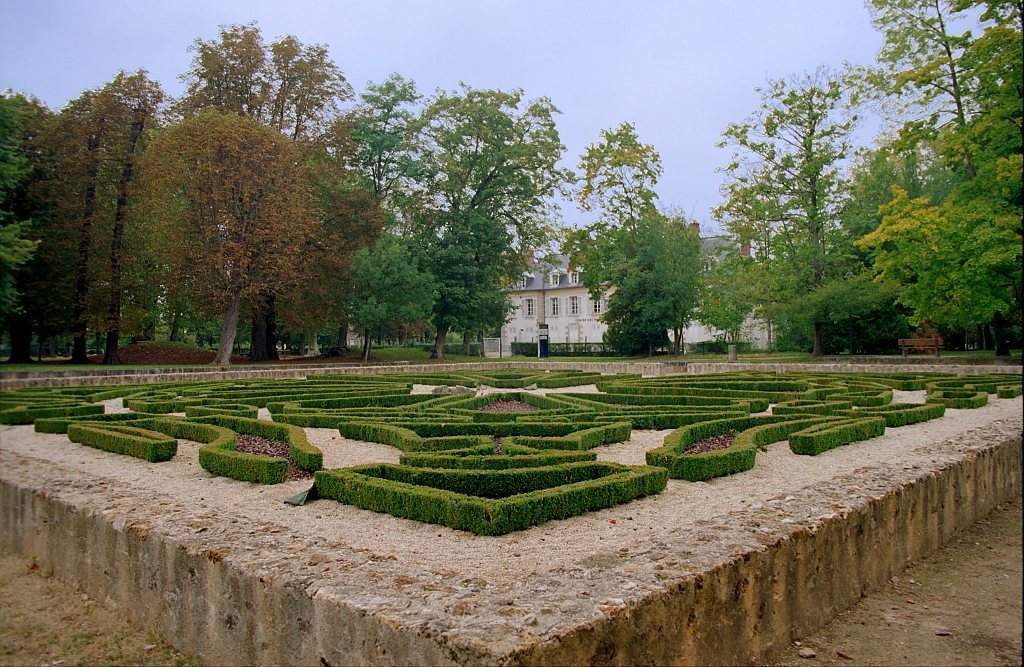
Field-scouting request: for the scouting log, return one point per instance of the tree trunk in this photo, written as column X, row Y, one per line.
column 466, row 338
column 771, row 340
column 1002, row 340
column 258, row 335
column 314, row 344
column 228, row 330
column 174, row 326
column 438, row 353
column 20, row 328
column 110, row 355
column 366, row 346
column 819, row 339
column 79, row 354
column 270, row 319
column 343, row 337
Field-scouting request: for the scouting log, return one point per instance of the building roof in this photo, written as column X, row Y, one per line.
column 536, row 277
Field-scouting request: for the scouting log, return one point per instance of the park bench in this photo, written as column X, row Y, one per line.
column 921, row 344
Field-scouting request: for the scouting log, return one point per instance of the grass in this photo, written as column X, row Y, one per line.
column 48, row 622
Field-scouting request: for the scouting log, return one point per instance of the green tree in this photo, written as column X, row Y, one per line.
column 489, row 167
column 388, row 289
column 293, row 88
column 727, row 295
column 655, row 283
column 15, row 249
column 785, row 173
column 234, row 212
column 385, row 132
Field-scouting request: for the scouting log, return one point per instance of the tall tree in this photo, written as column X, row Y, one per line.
column 785, row 168
column 294, row 88
column 15, row 248
column 384, row 131
column 653, row 273
column 728, row 295
column 922, row 67
column 134, row 101
column 234, row 211
column 389, row 289
column 489, row 168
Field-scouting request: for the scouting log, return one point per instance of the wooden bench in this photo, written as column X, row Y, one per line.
column 924, row 344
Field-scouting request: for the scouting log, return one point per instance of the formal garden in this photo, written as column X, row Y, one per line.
column 484, row 452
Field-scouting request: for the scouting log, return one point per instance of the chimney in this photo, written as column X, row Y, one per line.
column 695, row 226
column 745, row 249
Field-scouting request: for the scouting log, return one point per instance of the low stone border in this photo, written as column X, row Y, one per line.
column 748, row 582
column 648, row 369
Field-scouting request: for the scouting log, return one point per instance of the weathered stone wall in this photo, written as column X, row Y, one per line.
column 807, row 561
column 22, row 379
column 740, row 612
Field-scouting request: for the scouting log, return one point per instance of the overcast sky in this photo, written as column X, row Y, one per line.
column 680, row 70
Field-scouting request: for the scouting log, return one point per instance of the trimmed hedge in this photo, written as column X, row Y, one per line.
column 961, row 400
column 818, row 438
column 138, row 442
column 366, row 487
column 306, row 456
column 902, row 414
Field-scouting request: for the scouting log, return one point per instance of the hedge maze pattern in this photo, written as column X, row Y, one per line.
column 493, row 472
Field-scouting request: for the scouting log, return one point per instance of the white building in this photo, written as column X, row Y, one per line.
column 554, row 294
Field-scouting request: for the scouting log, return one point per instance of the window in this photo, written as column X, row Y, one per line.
column 574, row 305
column 553, row 278
column 597, row 306
column 555, row 306
column 575, row 277
column 528, row 304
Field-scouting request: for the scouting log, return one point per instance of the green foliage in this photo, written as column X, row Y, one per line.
column 15, row 248
column 388, row 289
column 411, row 493
column 819, row 438
column 728, row 295
column 138, row 442
column 481, row 205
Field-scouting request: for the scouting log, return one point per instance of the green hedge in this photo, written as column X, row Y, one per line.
column 306, row 456
column 961, row 400
column 818, row 438
column 27, row 414
column 707, row 465
column 138, row 442
column 364, row 487
column 604, row 434
column 1008, row 390
column 484, row 457
column 902, row 414
column 804, row 407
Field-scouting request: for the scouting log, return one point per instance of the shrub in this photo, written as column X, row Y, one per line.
column 138, row 442
column 598, row 486
column 818, row 438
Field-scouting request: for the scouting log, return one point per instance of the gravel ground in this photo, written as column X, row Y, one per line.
column 533, row 583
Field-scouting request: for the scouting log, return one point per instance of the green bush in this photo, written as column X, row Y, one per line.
column 367, row 487
column 138, row 442
column 818, row 438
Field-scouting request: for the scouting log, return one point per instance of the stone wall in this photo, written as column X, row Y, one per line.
column 816, row 553
column 19, row 380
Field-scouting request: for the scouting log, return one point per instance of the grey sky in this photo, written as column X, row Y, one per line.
column 679, row 70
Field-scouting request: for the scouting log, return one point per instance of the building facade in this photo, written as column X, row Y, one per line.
column 554, row 294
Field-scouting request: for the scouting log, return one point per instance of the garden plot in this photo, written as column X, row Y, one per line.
column 494, row 461
column 485, row 595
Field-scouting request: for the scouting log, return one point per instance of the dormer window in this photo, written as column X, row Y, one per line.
column 553, row 278
column 575, row 277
